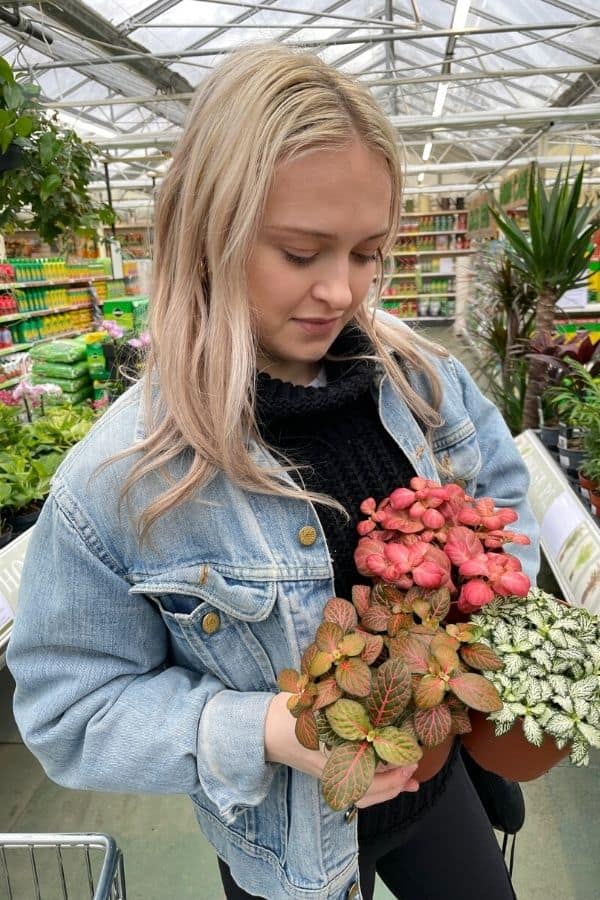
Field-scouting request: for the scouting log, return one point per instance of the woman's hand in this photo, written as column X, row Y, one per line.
column 282, row 746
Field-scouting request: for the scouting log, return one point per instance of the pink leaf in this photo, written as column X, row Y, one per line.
column 433, row 725
column 476, row 691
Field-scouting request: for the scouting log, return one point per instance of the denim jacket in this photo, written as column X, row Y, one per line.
column 151, row 668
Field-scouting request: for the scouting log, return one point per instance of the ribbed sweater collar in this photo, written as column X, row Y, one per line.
column 347, row 380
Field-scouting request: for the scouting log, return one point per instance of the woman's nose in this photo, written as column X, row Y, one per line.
column 334, row 288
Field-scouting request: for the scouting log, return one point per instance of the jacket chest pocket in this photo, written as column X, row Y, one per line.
column 219, row 625
column 457, row 451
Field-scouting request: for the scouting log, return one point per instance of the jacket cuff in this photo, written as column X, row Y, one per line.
column 231, row 751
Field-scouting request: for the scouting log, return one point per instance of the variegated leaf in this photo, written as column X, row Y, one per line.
column 348, row 773
column 326, row 733
column 479, row 656
column 439, row 601
column 375, row 618
column 390, row 693
column 307, row 657
column 398, row 622
column 445, row 656
column 352, row 644
column 354, row 677
column 560, row 726
column 306, row 730
column 341, row 612
column 476, row 691
column 348, row 719
column 291, row 681
column 361, row 597
column 434, row 725
column 328, row 636
column 413, row 649
column 320, row 663
column 429, row 691
column 328, row 691
column 532, row 731
column 591, row 734
column 373, row 647
column 396, row 746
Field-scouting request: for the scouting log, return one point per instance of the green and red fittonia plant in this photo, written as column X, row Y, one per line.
column 386, row 676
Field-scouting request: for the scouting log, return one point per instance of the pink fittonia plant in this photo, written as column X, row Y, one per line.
column 387, row 676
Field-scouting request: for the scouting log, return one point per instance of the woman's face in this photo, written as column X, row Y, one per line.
column 315, row 255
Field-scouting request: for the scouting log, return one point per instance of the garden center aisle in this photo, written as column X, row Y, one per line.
column 557, row 854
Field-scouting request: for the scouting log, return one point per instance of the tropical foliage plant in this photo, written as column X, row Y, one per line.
column 388, row 675
column 551, row 674
column 55, row 169
column 553, row 256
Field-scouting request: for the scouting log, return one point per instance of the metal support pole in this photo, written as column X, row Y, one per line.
column 108, row 191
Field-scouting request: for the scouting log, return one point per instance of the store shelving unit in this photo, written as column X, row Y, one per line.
column 417, row 226
column 21, row 316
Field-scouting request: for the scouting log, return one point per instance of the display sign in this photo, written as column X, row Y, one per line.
column 514, row 190
column 570, row 538
column 11, row 566
column 481, row 223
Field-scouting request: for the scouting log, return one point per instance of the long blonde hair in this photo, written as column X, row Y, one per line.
column 260, row 107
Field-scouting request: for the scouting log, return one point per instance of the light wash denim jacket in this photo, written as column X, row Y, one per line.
column 151, row 669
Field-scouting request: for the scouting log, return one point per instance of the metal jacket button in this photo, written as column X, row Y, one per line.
column 211, row 622
column 350, row 814
column 353, row 892
column 307, row 535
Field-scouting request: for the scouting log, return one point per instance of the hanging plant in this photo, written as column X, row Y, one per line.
column 50, row 185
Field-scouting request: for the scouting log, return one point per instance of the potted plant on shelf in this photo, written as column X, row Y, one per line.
column 549, row 686
column 553, row 256
column 390, row 677
column 54, row 170
column 5, row 526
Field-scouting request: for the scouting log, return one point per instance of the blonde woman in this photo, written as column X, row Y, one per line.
column 191, row 540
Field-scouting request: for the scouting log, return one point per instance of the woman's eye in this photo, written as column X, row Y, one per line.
column 365, row 258
column 298, row 260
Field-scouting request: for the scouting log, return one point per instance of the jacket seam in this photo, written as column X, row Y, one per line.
column 87, row 535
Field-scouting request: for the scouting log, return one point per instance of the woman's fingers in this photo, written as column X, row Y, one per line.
column 387, row 785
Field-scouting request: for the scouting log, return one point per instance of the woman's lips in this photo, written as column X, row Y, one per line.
column 316, row 326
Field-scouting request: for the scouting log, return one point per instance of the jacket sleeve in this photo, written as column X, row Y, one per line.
column 97, row 702
column 503, row 473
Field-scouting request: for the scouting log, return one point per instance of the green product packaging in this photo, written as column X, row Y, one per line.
column 68, row 386
column 66, row 371
column 66, row 351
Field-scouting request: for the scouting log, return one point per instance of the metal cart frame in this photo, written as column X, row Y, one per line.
column 111, row 878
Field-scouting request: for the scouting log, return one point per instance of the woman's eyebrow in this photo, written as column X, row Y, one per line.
column 294, row 229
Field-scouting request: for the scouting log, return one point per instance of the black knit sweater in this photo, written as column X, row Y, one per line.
column 335, row 436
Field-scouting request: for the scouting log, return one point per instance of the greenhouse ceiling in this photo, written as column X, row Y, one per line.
column 471, row 85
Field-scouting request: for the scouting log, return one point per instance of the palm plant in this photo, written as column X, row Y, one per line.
column 553, row 256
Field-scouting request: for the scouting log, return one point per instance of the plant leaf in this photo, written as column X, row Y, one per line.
column 321, row 663
column 49, row 186
column 361, row 597
column 433, row 725
column 375, row 618
column 533, row 731
column 390, row 692
column 398, row 622
column 306, row 730
column 413, row 649
column 292, row 681
column 354, row 677
column 352, row 644
column 349, row 719
column 328, row 636
column 328, row 692
column 446, row 657
column 429, row 691
column 307, row 658
column 439, row 600
column 373, row 647
column 341, row 612
column 480, row 656
column 348, row 774
column 396, row 746
column 476, row 691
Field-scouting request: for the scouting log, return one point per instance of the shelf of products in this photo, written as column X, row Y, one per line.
column 21, row 316
column 406, row 253
column 569, row 536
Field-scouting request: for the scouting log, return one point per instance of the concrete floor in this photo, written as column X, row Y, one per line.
column 557, row 854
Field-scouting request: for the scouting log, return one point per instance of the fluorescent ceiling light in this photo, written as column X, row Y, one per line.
column 421, row 177
column 427, row 151
column 440, row 99
column 461, row 11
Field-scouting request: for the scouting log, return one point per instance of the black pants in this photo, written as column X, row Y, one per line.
column 449, row 853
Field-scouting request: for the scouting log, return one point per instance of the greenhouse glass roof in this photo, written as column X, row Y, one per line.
column 464, row 82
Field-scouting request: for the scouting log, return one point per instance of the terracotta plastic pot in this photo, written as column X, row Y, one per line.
column 433, row 759
column 586, row 486
column 510, row 755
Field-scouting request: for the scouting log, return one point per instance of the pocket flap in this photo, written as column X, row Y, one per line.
column 251, row 601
